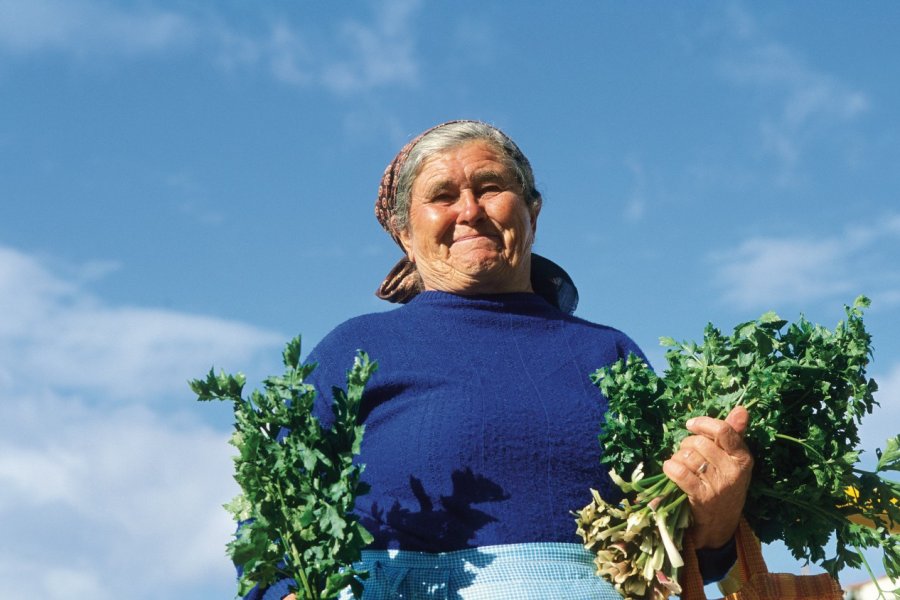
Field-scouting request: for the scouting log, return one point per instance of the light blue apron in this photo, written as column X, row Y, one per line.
column 540, row 571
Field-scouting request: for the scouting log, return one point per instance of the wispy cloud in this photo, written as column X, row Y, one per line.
column 806, row 100
column 356, row 56
column 116, row 503
column 351, row 56
column 192, row 199
column 105, row 490
column 56, row 332
column 82, row 27
column 636, row 202
column 772, row 271
column 376, row 55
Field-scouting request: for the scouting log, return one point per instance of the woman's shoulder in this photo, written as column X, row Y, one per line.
column 357, row 333
column 589, row 332
column 595, row 328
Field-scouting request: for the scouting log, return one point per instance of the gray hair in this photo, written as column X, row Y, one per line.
column 450, row 136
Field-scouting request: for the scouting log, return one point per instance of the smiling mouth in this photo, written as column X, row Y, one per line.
column 477, row 236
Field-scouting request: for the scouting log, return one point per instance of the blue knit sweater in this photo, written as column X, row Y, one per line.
column 481, row 421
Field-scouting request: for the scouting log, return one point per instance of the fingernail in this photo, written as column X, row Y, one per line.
column 690, row 422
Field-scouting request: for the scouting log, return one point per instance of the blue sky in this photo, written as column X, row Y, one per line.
column 185, row 184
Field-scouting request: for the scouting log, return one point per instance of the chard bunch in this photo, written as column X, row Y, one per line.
column 631, row 542
column 298, row 480
column 806, row 390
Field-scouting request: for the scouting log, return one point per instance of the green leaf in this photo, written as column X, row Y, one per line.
column 770, row 318
column 240, row 508
column 298, row 480
column 291, row 354
column 889, row 458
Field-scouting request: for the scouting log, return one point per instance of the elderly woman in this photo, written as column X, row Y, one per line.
column 481, row 422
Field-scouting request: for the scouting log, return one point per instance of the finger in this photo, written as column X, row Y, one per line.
column 721, row 463
column 717, row 430
column 701, row 446
column 739, row 419
column 692, row 484
column 683, row 476
column 693, row 459
column 688, row 467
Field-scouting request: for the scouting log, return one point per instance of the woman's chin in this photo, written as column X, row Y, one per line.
column 489, row 275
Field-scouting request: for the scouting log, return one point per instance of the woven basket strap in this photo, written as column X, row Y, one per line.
column 750, row 561
column 753, row 577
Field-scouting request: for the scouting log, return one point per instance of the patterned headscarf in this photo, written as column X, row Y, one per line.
column 403, row 282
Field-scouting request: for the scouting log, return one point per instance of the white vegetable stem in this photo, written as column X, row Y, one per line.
column 672, row 552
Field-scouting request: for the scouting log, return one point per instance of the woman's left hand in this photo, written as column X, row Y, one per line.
column 713, row 467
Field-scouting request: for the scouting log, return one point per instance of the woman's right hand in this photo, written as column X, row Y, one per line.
column 714, row 467
column 290, row 597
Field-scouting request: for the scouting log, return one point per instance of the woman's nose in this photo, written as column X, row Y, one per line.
column 470, row 208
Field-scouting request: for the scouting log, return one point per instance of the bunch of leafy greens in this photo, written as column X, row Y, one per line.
column 806, row 390
column 298, row 481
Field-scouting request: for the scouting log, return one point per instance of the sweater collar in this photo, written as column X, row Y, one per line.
column 509, row 302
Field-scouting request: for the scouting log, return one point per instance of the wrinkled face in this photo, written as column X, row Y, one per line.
column 470, row 231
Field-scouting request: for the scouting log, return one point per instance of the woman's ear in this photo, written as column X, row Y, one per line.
column 535, row 210
column 405, row 241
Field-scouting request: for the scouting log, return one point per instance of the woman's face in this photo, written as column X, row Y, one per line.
column 470, row 231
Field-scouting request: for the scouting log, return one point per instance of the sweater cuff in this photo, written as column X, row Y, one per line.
column 715, row 563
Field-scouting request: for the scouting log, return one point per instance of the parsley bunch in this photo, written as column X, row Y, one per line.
column 298, row 481
column 806, row 390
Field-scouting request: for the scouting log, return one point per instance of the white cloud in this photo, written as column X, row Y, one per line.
column 108, row 503
column 289, row 59
column 357, row 56
column 351, row 56
column 772, row 270
column 24, row 579
column 766, row 272
column 102, row 494
column 806, row 100
column 379, row 54
column 636, row 202
column 56, row 333
column 88, row 27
